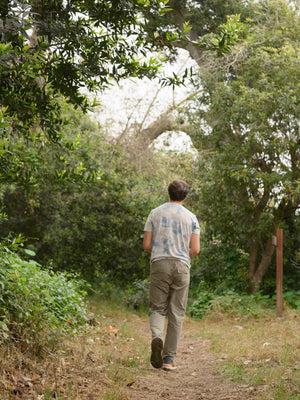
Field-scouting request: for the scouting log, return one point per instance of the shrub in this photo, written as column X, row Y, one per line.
column 232, row 303
column 221, row 266
column 137, row 295
column 205, row 298
column 37, row 305
column 242, row 305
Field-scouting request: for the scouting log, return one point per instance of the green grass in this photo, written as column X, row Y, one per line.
column 261, row 352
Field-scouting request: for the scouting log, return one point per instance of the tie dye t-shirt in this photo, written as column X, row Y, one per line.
column 172, row 226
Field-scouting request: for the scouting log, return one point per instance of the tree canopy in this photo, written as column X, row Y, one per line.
column 56, row 48
column 246, row 128
column 50, row 51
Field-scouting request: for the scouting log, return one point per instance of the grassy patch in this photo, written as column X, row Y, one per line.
column 102, row 358
column 263, row 353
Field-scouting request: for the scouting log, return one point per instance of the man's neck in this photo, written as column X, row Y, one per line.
column 176, row 202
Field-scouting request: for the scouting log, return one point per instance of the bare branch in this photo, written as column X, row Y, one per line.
column 166, row 121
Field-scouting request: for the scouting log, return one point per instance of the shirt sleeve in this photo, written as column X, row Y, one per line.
column 195, row 226
column 148, row 225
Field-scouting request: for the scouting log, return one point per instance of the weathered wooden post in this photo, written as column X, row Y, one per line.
column 279, row 271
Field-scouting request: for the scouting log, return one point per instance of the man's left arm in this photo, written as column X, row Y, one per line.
column 194, row 245
column 147, row 242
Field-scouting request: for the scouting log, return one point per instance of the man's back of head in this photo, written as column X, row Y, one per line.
column 178, row 190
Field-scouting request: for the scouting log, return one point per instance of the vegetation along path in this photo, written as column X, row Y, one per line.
column 219, row 358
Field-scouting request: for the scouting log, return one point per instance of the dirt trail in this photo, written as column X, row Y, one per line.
column 97, row 365
column 196, row 377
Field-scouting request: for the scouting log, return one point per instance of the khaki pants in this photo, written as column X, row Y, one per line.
column 169, row 285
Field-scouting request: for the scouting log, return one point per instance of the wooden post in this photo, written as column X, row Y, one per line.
column 279, row 271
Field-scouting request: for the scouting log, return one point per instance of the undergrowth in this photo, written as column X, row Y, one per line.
column 232, row 303
column 37, row 305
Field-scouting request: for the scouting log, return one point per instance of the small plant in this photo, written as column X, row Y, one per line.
column 230, row 302
column 234, row 371
column 292, row 299
column 236, row 304
column 137, row 296
column 204, row 301
column 35, row 304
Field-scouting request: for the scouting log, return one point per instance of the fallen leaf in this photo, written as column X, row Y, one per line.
column 266, row 344
column 113, row 329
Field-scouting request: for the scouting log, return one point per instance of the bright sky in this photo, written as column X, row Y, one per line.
column 137, row 101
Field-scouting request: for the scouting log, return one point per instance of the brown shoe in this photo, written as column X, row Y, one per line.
column 156, row 352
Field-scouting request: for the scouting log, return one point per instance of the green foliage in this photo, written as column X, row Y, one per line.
column 205, row 23
column 25, row 161
column 206, row 16
column 246, row 129
column 226, row 36
column 291, row 298
column 221, row 266
column 57, row 48
column 90, row 226
column 229, row 303
column 233, row 303
column 203, row 302
column 37, row 305
column 49, row 52
column 97, row 232
column 137, row 295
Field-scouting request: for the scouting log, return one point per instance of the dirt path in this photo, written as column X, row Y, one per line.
column 100, row 364
column 196, row 376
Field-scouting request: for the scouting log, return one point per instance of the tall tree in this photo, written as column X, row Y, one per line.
column 247, row 133
column 210, row 26
column 51, row 49
column 58, row 47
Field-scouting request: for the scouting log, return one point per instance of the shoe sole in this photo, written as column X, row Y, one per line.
column 156, row 353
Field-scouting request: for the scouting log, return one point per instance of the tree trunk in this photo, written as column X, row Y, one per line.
column 257, row 275
column 252, row 265
column 165, row 122
column 178, row 13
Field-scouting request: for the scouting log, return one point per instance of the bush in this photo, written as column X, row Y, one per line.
column 232, row 303
column 221, row 266
column 201, row 305
column 36, row 305
column 229, row 303
column 137, row 295
column 242, row 305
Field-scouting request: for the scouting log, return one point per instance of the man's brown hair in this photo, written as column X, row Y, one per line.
column 178, row 190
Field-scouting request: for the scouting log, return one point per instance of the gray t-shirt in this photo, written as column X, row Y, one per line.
column 172, row 226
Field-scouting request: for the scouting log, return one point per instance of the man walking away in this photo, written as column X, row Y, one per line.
column 172, row 236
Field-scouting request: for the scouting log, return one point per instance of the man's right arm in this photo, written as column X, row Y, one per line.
column 194, row 245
